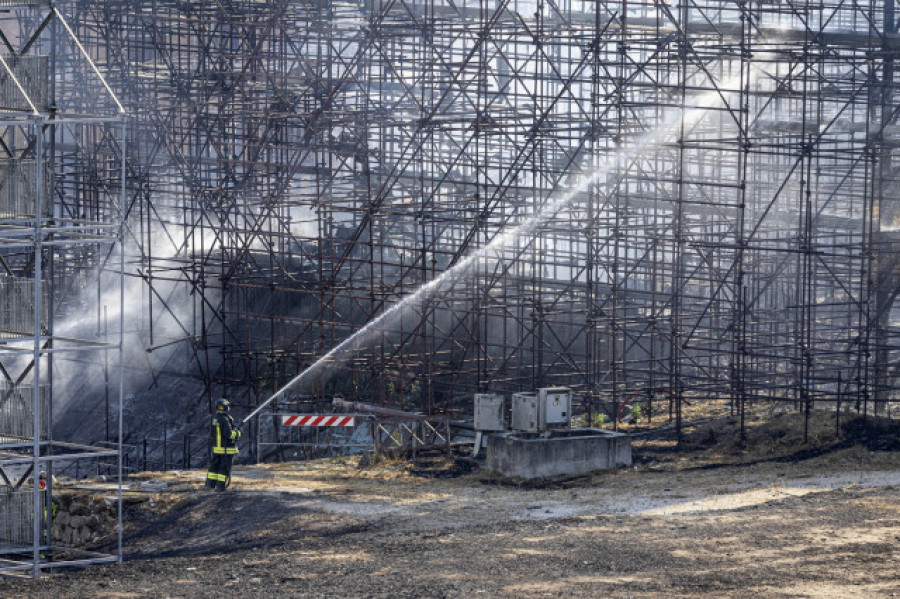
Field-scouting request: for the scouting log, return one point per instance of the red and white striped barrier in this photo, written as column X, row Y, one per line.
column 318, row 420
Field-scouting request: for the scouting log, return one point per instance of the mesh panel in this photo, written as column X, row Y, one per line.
column 32, row 73
column 19, row 187
column 17, row 308
column 17, row 517
column 23, row 3
column 17, row 413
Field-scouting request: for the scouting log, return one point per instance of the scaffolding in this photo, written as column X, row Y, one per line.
column 61, row 191
column 668, row 201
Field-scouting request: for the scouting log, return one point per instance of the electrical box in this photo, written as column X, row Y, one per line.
column 489, row 414
column 555, row 407
column 525, row 412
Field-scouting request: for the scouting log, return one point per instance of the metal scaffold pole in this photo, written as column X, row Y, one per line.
column 710, row 215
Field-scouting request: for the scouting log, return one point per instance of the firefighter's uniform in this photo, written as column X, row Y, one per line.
column 224, row 447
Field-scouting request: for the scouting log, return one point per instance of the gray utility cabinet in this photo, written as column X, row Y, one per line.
column 550, row 407
column 555, row 407
column 489, row 414
column 524, row 411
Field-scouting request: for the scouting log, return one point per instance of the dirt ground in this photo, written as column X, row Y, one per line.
column 713, row 516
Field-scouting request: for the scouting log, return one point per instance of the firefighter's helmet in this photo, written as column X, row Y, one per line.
column 222, row 405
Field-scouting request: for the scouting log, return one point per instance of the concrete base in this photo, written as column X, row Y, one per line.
column 569, row 452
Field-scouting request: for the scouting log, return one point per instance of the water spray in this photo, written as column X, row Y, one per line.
column 654, row 138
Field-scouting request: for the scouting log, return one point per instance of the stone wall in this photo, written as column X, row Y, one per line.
column 84, row 520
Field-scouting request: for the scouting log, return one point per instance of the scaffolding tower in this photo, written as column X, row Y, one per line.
column 633, row 199
column 61, row 196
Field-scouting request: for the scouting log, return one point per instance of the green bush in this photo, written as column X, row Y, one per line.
column 636, row 413
column 597, row 421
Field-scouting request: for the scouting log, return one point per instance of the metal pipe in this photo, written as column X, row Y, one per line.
column 381, row 411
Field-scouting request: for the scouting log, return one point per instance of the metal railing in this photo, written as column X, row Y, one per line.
column 182, row 450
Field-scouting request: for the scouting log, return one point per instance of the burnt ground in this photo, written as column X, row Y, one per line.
column 713, row 516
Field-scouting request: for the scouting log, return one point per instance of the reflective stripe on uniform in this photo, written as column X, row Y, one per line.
column 218, row 436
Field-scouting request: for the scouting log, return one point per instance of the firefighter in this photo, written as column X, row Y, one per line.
column 224, row 446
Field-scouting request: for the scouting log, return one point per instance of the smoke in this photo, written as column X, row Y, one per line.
column 155, row 369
